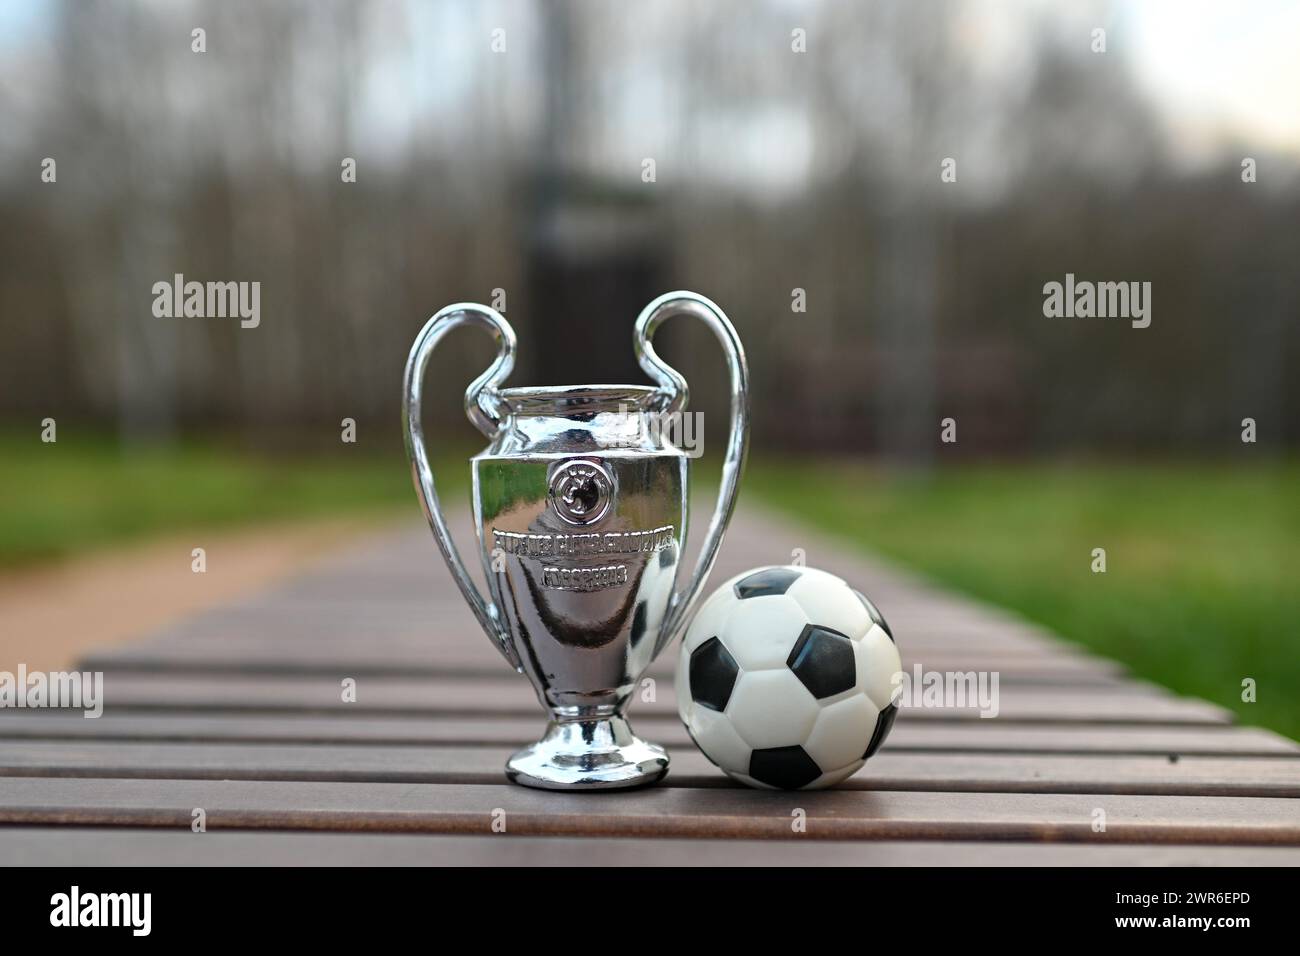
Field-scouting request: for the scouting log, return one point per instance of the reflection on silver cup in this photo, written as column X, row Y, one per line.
column 581, row 519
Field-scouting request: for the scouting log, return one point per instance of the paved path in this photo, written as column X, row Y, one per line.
column 239, row 712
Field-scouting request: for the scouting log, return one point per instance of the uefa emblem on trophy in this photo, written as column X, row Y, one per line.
column 583, row 515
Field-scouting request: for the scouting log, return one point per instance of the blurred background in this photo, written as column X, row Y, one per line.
column 570, row 161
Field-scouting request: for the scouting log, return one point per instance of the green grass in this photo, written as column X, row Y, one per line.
column 1203, row 563
column 1202, row 587
column 59, row 499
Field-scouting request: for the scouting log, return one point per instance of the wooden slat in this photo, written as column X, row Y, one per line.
column 454, row 638
column 660, row 812
column 124, row 846
column 1127, row 703
column 889, row 770
column 970, row 735
column 356, row 657
column 239, row 712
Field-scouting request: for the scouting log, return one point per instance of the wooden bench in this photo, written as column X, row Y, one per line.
column 239, row 712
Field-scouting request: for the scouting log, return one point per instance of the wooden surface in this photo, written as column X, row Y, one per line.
column 239, row 712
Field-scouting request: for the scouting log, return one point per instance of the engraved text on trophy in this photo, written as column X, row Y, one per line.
column 560, row 546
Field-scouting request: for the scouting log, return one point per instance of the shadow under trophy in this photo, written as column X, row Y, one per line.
column 581, row 513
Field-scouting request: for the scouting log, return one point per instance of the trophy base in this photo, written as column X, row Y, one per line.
column 596, row 754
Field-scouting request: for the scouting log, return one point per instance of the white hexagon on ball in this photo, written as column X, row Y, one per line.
column 784, row 678
column 714, row 734
column 767, row 623
column 829, row 601
column 837, row 739
column 878, row 664
column 759, row 723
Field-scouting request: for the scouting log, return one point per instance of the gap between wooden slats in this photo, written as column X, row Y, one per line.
column 123, row 846
column 889, row 770
column 658, row 812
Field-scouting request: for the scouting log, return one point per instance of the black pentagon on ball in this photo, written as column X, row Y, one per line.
column 764, row 583
column 884, row 721
column 713, row 674
column 639, row 615
column 786, row 767
column 823, row 660
column 876, row 616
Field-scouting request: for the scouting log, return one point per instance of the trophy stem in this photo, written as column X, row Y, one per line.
column 588, row 753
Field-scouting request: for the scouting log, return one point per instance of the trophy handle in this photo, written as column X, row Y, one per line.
column 673, row 395
column 483, row 407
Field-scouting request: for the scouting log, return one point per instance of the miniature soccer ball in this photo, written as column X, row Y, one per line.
column 785, row 678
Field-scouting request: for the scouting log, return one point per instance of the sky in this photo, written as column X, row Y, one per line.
column 1218, row 70
column 1223, row 75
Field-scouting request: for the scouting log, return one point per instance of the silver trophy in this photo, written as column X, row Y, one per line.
column 581, row 517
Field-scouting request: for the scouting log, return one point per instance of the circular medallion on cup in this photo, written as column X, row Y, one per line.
column 581, row 491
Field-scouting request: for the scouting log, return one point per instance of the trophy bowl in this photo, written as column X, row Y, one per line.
column 581, row 505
